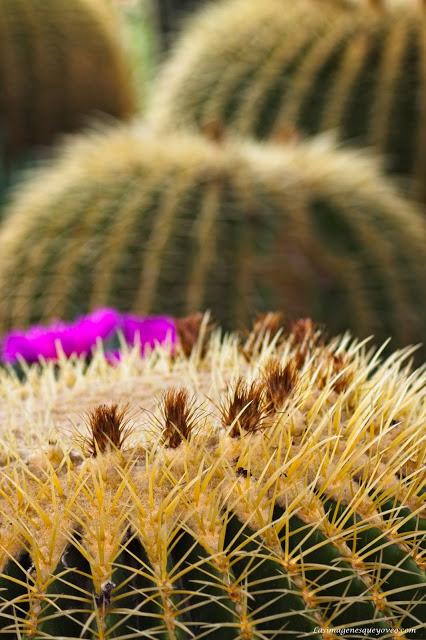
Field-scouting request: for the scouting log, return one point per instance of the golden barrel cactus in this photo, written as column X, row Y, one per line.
column 176, row 223
column 274, row 487
column 273, row 67
column 61, row 64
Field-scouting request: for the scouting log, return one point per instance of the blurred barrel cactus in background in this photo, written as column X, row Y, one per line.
column 270, row 489
column 173, row 224
column 61, row 64
column 170, row 15
column 267, row 68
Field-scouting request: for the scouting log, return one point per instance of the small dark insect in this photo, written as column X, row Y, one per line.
column 243, row 473
column 178, row 417
column 246, row 409
column 280, row 381
column 103, row 599
column 108, row 429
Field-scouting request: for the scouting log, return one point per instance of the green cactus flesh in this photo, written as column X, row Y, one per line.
column 267, row 487
column 177, row 223
column 61, row 64
column 275, row 68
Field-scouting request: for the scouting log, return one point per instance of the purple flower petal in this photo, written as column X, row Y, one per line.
column 83, row 335
column 113, row 357
column 80, row 337
column 149, row 332
column 76, row 338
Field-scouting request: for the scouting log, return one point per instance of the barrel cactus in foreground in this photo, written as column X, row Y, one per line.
column 172, row 224
column 61, row 63
column 274, row 487
column 269, row 68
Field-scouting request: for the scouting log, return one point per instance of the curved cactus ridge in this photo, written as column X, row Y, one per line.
column 169, row 225
column 61, row 63
column 273, row 488
column 172, row 224
column 274, row 67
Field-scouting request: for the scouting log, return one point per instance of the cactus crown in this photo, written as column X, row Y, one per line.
column 274, row 484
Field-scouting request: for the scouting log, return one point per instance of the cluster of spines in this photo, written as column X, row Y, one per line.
column 170, row 225
column 235, row 522
column 312, row 67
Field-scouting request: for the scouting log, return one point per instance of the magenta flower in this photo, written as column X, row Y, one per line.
column 77, row 338
column 149, row 332
column 113, row 357
column 80, row 337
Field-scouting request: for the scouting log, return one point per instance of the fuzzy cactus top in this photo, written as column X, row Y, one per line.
column 272, row 429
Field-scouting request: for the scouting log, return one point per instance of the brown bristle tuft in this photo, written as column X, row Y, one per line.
column 189, row 329
column 246, row 408
column 299, row 357
column 266, row 324
column 334, row 368
column 178, row 417
column 108, row 429
column 280, row 381
column 339, row 363
column 305, row 335
column 303, row 330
